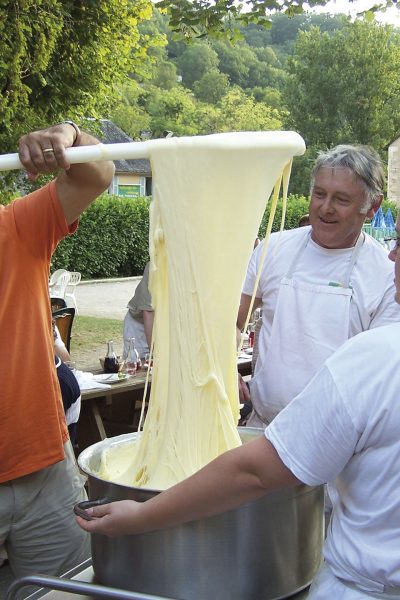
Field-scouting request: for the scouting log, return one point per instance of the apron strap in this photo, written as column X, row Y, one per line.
column 297, row 256
column 354, row 256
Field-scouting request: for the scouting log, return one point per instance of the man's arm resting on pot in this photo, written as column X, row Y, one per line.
column 234, row 478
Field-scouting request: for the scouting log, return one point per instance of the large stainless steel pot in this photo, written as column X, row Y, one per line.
column 265, row 550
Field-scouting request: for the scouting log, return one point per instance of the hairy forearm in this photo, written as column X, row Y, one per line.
column 235, row 478
column 91, row 173
column 82, row 183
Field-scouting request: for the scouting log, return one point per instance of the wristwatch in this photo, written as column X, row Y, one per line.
column 75, row 126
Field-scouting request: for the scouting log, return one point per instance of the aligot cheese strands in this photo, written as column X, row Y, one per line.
column 209, row 195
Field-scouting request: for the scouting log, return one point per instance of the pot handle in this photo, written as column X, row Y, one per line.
column 80, row 508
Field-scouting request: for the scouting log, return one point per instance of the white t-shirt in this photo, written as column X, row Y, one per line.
column 344, row 428
column 371, row 279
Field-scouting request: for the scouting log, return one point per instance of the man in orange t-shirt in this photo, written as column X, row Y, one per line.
column 39, row 479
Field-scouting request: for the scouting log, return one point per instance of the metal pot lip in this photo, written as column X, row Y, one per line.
column 86, row 456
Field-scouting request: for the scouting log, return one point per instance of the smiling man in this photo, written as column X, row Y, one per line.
column 322, row 284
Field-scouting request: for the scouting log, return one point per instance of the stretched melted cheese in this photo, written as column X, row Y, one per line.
column 209, row 195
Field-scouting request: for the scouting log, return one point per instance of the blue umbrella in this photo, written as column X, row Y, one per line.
column 379, row 219
column 390, row 224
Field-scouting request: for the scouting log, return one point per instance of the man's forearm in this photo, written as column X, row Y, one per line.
column 234, row 478
column 82, row 183
column 44, row 151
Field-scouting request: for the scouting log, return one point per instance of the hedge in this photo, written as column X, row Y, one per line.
column 297, row 206
column 111, row 240
column 112, row 237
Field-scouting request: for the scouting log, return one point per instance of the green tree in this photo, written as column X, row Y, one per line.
column 285, row 30
column 344, row 87
column 235, row 61
column 62, row 58
column 129, row 114
column 268, row 56
column 270, row 96
column 240, row 112
column 195, row 61
column 172, row 110
column 211, row 87
column 222, row 17
column 255, row 35
column 164, row 75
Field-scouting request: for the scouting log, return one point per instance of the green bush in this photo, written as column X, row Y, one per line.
column 112, row 237
column 297, row 206
column 111, row 240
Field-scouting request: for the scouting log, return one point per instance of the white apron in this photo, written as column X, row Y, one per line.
column 310, row 322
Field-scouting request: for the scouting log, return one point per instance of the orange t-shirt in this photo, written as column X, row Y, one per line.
column 32, row 423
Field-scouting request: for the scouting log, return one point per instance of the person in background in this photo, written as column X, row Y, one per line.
column 342, row 428
column 60, row 348
column 304, row 220
column 69, row 386
column 139, row 319
column 321, row 284
column 71, row 398
column 39, row 478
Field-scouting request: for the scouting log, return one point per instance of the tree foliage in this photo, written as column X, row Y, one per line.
column 195, row 61
column 344, row 87
column 212, row 86
column 62, row 58
column 195, row 18
column 240, row 112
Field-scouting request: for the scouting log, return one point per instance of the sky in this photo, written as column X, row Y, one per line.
column 391, row 16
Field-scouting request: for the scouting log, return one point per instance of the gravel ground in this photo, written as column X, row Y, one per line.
column 105, row 298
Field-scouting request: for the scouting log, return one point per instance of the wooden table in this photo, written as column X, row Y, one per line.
column 116, row 410
column 108, row 412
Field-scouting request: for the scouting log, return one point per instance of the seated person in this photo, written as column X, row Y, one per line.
column 70, row 391
column 59, row 347
column 138, row 322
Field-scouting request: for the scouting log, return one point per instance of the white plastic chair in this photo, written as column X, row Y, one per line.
column 74, row 279
column 58, row 283
column 55, row 276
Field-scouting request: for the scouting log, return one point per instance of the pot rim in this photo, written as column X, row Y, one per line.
column 85, row 457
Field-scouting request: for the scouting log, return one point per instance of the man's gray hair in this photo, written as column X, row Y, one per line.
column 363, row 161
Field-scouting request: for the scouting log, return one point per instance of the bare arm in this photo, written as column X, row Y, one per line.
column 61, row 351
column 234, row 478
column 148, row 320
column 77, row 185
column 59, row 347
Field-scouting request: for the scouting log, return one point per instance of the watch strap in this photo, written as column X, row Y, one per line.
column 77, row 130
